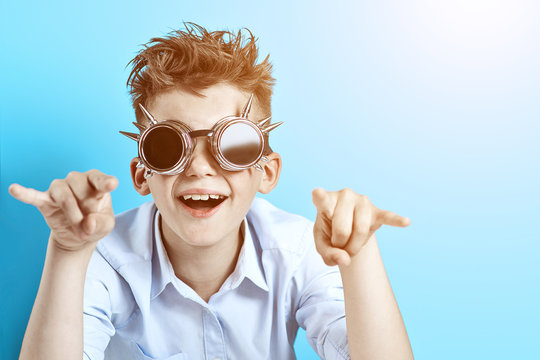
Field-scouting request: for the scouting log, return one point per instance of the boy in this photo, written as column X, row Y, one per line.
column 206, row 271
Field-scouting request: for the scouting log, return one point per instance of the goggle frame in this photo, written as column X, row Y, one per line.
column 189, row 141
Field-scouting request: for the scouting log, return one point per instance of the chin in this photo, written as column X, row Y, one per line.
column 202, row 238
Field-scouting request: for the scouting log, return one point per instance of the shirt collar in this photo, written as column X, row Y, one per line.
column 162, row 271
column 247, row 266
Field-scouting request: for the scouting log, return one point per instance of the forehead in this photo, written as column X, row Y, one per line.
column 197, row 112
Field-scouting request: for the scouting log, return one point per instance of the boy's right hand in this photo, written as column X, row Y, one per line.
column 78, row 209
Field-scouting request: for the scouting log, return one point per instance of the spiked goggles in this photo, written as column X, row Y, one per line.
column 165, row 147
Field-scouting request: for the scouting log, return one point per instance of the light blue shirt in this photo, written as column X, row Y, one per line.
column 136, row 308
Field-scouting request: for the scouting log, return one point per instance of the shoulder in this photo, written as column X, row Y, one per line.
column 124, row 256
column 120, row 268
column 278, row 229
column 131, row 239
column 287, row 252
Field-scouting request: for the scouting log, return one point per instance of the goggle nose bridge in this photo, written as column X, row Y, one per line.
column 200, row 133
column 194, row 134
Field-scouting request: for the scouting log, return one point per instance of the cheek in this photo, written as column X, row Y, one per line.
column 160, row 186
column 245, row 182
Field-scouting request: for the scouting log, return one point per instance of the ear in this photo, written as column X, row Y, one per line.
column 272, row 169
column 137, row 176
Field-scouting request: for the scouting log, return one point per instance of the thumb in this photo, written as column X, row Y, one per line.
column 98, row 224
column 337, row 257
column 330, row 255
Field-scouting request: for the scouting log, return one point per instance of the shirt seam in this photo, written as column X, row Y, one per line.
column 129, row 319
column 341, row 351
column 301, row 257
column 297, row 251
column 298, row 305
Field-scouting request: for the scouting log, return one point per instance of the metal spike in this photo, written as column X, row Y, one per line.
column 148, row 115
column 259, row 167
column 271, row 127
column 264, row 159
column 147, row 174
column 140, row 165
column 264, row 121
column 132, row 136
column 245, row 112
column 139, row 126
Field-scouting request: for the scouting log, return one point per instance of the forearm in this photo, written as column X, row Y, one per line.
column 55, row 328
column 375, row 329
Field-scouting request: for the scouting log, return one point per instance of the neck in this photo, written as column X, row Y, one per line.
column 203, row 268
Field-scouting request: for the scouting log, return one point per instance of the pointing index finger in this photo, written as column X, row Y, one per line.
column 29, row 195
column 391, row 218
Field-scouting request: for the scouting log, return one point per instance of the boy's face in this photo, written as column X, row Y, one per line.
column 200, row 222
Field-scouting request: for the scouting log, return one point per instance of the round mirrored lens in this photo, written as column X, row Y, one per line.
column 163, row 148
column 240, row 144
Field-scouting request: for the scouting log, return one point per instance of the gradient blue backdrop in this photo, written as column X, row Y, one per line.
column 431, row 108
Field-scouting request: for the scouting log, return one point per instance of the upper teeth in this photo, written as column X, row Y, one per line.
column 203, row 196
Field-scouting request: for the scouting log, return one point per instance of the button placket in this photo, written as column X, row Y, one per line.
column 213, row 336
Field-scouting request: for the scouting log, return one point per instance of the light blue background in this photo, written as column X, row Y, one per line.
column 431, row 108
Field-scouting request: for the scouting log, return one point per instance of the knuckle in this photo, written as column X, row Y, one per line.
column 326, row 258
column 316, row 230
column 57, row 190
column 73, row 175
column 346, row 193
column 341, row 234
column 360, row 232
column 363, row 198
column 318, row 241
column 327, row 261
column 56, row 183
column 326, row 212
column 363, row 202
column 93, row 174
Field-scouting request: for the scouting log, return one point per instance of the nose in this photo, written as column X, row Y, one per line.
column 202, row 161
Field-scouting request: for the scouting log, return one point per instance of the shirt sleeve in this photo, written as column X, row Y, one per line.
column 97, row 312
column 320, row 306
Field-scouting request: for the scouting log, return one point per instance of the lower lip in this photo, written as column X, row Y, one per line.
column 202, row 213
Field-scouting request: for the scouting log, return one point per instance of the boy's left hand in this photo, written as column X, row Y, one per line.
column 345, row 222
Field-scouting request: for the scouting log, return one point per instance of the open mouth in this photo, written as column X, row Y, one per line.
column 202, row 202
